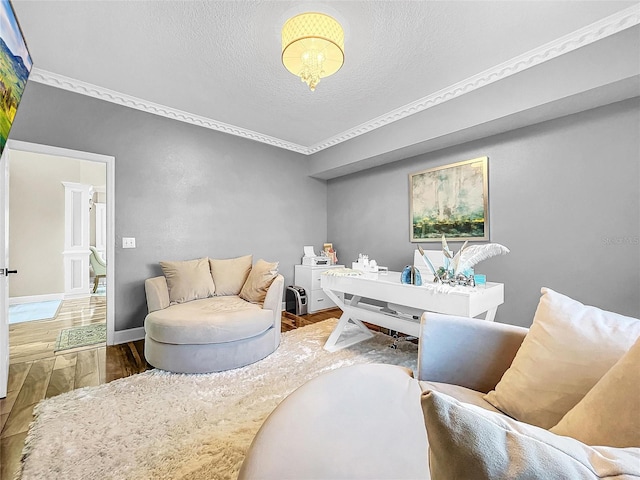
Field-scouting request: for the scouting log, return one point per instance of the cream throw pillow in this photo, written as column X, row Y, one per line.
column 569, row 347
column 230, row 274
column 609, row 414
column 469, row 442
column 188, row 280
column 260, row 279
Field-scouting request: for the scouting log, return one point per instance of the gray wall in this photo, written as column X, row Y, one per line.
column 182, row 191
column 564, row 197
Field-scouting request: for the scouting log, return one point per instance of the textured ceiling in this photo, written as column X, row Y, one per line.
column 221, row 59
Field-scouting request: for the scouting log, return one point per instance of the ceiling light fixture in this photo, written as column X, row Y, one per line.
column 312, row 47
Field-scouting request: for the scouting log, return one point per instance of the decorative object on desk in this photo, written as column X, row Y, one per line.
column 458, row 267
column 331, row 253
column 462, row 272
column 411, row 276
column 453, row 200
column 436, row 277
column 474, row 254
column 451, row 260
column 342, row 272
column 364, row 264
column 480, row 280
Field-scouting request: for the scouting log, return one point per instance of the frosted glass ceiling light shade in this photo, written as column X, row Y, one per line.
column 312, row 47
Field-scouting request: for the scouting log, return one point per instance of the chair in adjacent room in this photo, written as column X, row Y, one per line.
column 99, row 267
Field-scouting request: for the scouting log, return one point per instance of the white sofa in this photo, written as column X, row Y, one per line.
column 378, row 422
column 209, row 329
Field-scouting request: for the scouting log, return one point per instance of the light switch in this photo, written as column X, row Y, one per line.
column 128, row 242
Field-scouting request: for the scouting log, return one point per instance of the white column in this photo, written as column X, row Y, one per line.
column 76, row 239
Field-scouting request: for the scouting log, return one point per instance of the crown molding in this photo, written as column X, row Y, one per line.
column 610, row 25
column 77, row 86
column 594, row 32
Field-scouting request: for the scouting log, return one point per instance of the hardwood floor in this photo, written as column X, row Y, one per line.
column 36, row 372
column 35, row 340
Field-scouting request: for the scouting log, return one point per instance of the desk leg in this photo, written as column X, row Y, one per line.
column 491, row 314
column 333, row 344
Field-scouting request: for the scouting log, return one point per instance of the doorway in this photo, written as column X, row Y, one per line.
column 103, row 195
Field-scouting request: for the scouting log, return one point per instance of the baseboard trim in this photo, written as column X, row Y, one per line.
column 35, row 298
column 129, row 335
column 74, row 296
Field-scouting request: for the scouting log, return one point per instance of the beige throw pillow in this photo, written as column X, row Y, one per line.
column 569, row 347
column 188, row 280
column 609, row 414
column 230, row 274
column 469, row 442
column 260, row 279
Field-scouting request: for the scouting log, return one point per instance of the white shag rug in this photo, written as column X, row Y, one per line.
column 164, row 425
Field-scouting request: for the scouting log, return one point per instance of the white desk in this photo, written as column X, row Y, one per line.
column 406, row 301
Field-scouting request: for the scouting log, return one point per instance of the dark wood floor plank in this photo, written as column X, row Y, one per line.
column 36, row 381
column 7, row 403
column 17, row 374
column 10, row 455
column 32, row 391
column 18, row 421
column 65, row 360
column 62, row 381
column 86, row 372
column 139, row 346
column 114, row 363
column 130, row 360
column 102, row 364
column 137, row 360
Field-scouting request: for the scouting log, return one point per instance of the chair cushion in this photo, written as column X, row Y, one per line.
column 466, row 441
column 211, row 320
column 229, row 274
column 610, row 413
column 188, row 280
column 568, row 348
column 258, row 282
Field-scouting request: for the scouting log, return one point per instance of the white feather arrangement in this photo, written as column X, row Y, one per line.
column 474, row 254
column 456, row 257
column 428, row 262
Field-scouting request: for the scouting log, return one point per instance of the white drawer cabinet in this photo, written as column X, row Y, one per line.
column 308, row 277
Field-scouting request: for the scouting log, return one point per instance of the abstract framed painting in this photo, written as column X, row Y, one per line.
column 15, row 67
column 452, row 200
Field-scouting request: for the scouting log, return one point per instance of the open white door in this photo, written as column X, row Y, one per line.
column 4, row 275
column 19, row 146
